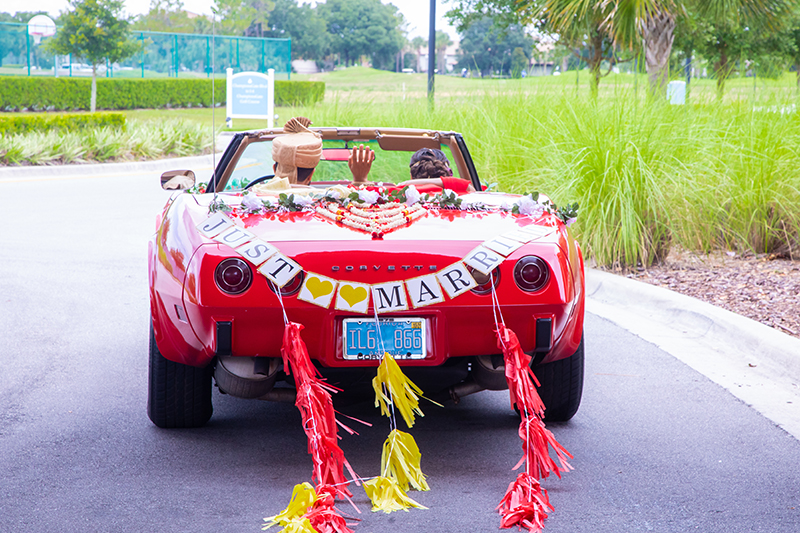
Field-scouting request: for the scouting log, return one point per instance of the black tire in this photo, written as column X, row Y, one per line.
column 561, row 386
column 179, row 396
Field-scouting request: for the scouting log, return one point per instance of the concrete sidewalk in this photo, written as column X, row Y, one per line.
column 757, row 364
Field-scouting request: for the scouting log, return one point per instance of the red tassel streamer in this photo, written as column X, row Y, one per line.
column 316, row 409
column 323, row 516
column 536, row 439
column 525, row 502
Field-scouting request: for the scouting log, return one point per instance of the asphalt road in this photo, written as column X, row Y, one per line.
column 658, row 447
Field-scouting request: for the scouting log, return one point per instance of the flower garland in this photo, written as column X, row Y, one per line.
column 378, row 212
column 379, row 220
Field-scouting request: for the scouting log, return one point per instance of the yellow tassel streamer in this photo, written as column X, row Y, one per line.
column 292, row 518
column 387, row 496
column 401, row 391
column 401, row 461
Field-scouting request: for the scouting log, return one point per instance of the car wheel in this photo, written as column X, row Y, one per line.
column 561, row 386
column 179, row 396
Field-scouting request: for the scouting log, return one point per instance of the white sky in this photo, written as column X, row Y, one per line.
column 416, row 12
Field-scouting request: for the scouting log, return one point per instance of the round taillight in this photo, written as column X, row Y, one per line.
column 484, row 281
column 531, row 273
column 291, row 288
column 233, row 276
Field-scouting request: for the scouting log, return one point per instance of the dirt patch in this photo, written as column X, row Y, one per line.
column 764, row 288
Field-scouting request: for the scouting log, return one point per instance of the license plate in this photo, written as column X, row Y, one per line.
column 403, row 338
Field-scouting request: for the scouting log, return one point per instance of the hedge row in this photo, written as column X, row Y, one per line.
column 10, row 124
column 39, row 93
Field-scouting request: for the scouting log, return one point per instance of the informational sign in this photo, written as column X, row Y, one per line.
column 251, row 95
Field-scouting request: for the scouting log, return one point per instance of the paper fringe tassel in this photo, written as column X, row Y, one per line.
column 387, row 496
column 323, row 516
column 303, row 497
column 401, row 461
column 316, row 409
column 295, row 354
column 536, row 439
column 400, row 391
column 525, row 504
column 310, row 511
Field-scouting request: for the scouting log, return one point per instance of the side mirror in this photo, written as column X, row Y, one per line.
column 173, row 180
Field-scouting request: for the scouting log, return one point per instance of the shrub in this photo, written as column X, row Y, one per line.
column 38, row 93
column 10, row 124
column 139, row 140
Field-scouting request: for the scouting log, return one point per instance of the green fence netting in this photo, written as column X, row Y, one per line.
column 159, row 55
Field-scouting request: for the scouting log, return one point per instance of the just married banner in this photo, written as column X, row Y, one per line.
column 317, row 289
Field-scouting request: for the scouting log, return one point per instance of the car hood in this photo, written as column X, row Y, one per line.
column 437, row 225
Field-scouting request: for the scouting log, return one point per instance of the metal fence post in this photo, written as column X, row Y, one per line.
column 141, row 38
column 177, row 53
column 28, row 50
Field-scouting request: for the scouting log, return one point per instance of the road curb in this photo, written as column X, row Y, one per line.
column 756, row 363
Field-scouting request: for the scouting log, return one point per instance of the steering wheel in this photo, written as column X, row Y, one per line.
column 258, row 180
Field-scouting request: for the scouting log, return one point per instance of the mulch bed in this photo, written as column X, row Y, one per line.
column 765, row 288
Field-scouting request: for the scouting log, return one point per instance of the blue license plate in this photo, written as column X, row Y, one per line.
column 403, row 338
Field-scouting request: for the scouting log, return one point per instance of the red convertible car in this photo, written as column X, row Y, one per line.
column 387, row 267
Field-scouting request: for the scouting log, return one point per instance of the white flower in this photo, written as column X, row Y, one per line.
column 466, row 204
column 527, row 206
column 570, row 221
column 303, row 200
column 251, row 202
column 412, row 195
column 367, row 196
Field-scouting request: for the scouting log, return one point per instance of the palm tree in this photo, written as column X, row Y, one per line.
column 599, row 24
column 656, row 19
column 442, row 42
column 583, row 26
column 417, row 44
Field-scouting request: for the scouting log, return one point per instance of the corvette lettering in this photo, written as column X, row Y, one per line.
column 390, row 268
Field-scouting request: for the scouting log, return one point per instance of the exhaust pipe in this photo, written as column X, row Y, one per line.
column 464, row 389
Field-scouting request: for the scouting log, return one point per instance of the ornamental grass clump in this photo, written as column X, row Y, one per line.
column 140, row 140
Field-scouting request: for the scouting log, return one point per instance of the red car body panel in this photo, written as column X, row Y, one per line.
column 186, row 303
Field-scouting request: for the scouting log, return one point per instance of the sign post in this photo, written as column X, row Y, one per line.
column 250, row 95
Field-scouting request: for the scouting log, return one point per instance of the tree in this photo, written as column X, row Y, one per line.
column 96, row 31
column 519, row 62
column 442, row 42
column 14, row 43
column 723, row 23
column 238, row 16
column 733, row 29
column 166, row 16
column 787, row 44
column 418, row 44
column 488, row 48
column 582, row 26
column 303, row 25
column 363, row 28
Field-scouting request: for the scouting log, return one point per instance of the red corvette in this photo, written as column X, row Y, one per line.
column 391, row 268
